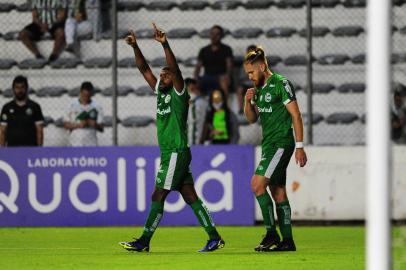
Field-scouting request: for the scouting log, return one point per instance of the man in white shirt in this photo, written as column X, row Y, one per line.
column 84, row 118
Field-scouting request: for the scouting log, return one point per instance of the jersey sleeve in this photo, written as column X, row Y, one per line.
column 286, row 91
column 38, row 116
column 200, row 55
column 182, row 96
column 68, row 113
column 156, row 87
column 4, row 117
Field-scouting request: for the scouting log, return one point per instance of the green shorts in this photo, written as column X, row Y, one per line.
column 273, row 164
column 174, row 171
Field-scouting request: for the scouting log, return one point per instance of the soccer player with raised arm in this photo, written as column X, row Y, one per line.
column 273, row 100
column 174, row 171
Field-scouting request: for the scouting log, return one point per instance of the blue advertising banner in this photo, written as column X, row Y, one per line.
column 102, row 186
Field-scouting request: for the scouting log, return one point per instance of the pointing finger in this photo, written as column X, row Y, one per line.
column 154, row 25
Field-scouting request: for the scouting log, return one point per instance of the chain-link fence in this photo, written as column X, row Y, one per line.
column 278, row 25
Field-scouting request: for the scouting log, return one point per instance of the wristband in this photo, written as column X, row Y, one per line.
column 165, row 45
column 299, row 144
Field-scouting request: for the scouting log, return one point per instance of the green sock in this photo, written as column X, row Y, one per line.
column 203, row 215
column 266, row 204
column 154, row 217
column 284, row 217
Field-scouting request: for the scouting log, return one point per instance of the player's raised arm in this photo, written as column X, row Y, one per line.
column 140, row 61
column 249, row 107
column 300, row 154
column 160, row 36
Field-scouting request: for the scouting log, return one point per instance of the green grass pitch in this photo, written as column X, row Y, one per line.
column 175, row 248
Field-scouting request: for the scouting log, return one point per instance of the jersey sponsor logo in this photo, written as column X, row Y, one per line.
column 28, row 111
column 265, row 110
column 164, row 111
column 268, row 97
column 167, row 99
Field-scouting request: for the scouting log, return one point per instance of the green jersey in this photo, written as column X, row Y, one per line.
column 276, row 121
column 171, row 119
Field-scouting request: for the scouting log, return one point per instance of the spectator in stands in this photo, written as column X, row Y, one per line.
column 244, row 83
column 22, row 122
column 216, row 59
column 76, row 25
column 398, row 118
column 47, row 16
column 84, row 118
column 197, row 111
column 221, row 125
column 225, row 84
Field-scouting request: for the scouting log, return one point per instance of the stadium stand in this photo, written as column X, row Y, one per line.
column 281, row 32
column 338, row 61
column 317, row 31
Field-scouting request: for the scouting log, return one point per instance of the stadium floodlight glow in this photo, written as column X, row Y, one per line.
column 378, row 135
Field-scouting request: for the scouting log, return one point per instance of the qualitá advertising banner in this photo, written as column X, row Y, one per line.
column 103, row 186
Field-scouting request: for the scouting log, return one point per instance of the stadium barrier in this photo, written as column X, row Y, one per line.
column 332, row 186
column 102, row 186
column 105, row 186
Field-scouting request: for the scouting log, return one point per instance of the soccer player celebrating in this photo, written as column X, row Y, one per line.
column 174, row 172
column 273, row 100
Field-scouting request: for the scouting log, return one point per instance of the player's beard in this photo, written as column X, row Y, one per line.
column 260, row 82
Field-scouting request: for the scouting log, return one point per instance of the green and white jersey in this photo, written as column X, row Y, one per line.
column 171, row 119
column 276, row 121
column 75, row 114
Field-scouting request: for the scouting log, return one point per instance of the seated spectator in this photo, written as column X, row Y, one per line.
column 216, row 59
column 84, row 118
column 398, row 119
column 197, row 111
column 47, row 16
column 21, row 122
column 243, row 86
column 221, row 125
column 76, row 25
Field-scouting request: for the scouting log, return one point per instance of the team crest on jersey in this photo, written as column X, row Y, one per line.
column 28, row 111
column 11, row 110
column 167, row 99
column 268, row 97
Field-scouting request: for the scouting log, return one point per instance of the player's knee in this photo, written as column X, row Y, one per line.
column 257, row 188
column 190, row 199
column 279, row 194
column 158, row 195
